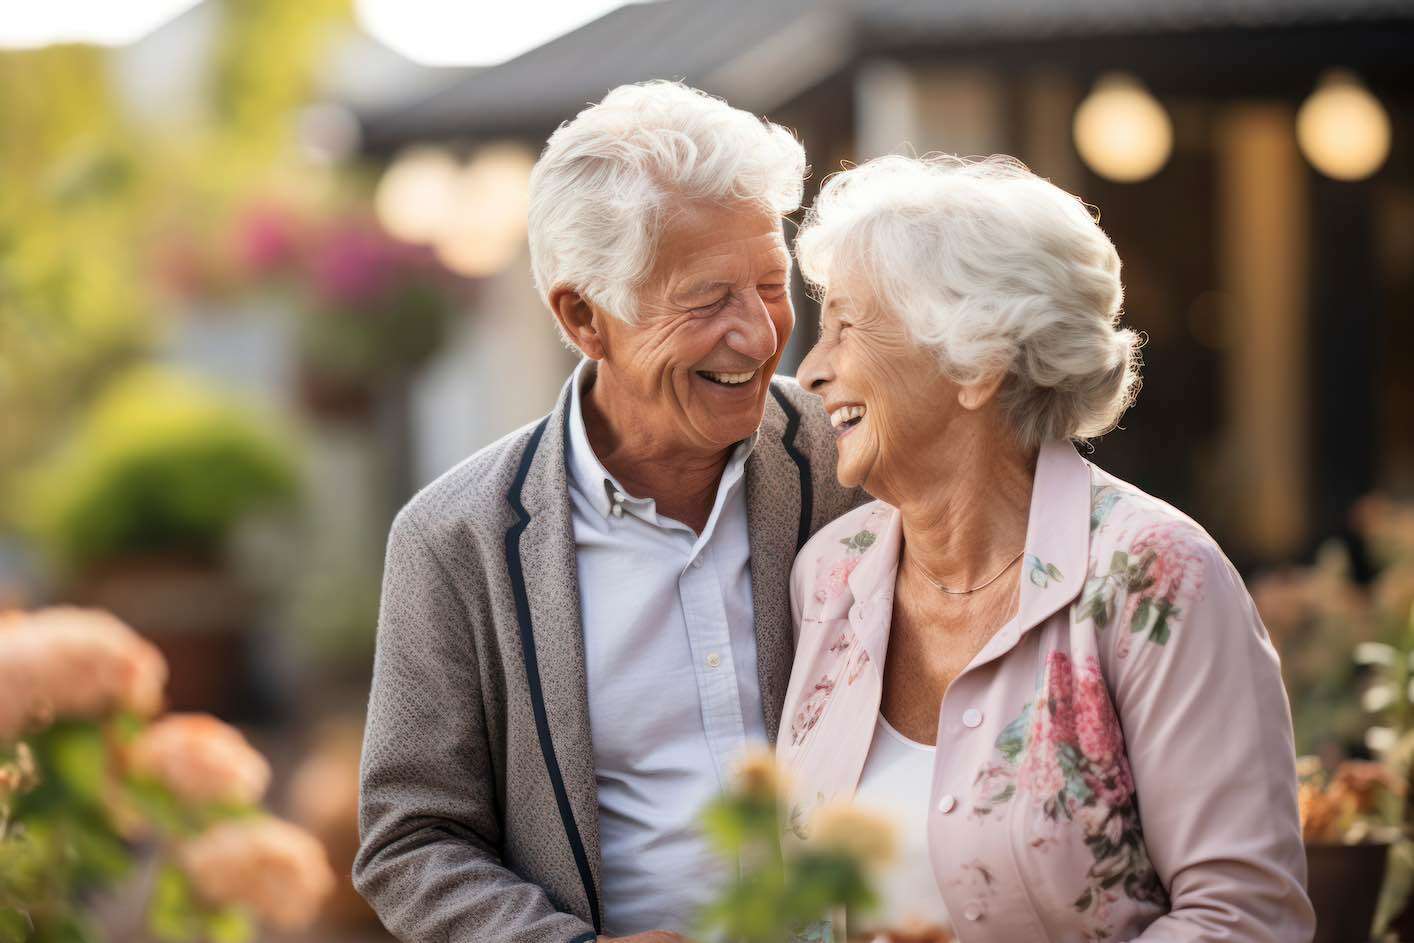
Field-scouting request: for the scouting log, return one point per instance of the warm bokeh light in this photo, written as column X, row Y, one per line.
column 1121, row 131
column 414, row 195
column 473, row 214
column 1343, row 130
column 485, row 228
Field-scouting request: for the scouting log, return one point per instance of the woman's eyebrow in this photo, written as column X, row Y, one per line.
column 703, row 287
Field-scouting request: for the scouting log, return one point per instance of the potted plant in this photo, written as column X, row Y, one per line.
column 1348, row 655
column 137, row 510
column 1349, row 819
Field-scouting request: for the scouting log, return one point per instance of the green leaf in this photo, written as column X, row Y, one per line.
column 229, row 926
column 1119, row 562
column 14, row 926
column 1398, row 884
column 1012, row 740
column 1160, row 631
column 1053, row 571
column 79, row 760
column 173, row 915
column 1143, row 613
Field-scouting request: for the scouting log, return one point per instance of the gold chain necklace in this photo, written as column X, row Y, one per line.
column 961, row 592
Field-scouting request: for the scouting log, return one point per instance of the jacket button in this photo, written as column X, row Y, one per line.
column 971, row 717
column 973, row 911
column 946, row 803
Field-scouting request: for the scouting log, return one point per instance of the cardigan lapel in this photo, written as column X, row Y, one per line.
column 778, row 521
column 542, row 542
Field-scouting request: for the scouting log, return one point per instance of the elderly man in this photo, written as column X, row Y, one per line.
column 584, row 624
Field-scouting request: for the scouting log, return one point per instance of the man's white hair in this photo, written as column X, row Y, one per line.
column 992, row 268
column 606, row 182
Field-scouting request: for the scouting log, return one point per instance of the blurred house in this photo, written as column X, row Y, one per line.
column 1276, row 299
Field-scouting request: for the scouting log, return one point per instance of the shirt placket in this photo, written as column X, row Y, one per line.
column 709, row 640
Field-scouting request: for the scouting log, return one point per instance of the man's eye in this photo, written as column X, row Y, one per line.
column 772, row 292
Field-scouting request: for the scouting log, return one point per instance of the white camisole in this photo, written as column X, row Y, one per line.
column 896, row 782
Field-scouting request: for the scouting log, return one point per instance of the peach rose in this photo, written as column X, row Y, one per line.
column 276, row 870
column 200, row 760
column 70, row 662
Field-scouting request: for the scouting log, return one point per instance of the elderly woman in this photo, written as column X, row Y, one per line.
column 1059, row 680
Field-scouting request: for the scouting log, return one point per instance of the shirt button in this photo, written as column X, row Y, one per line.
column 946, row 803
column 971, row 717
column 714, row 660
column 973, row 911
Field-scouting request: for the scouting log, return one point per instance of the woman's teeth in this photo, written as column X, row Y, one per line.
column 846, row 416
column 728, row 379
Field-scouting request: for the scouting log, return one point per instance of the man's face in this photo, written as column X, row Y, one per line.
column 714, row 317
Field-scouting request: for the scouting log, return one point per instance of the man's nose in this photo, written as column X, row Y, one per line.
column 754, row 333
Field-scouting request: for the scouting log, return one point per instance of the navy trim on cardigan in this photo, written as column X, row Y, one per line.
column 807, row 489
column 532, row 677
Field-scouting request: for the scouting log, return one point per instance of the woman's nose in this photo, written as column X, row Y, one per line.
column 813, row 373
column 754, row 333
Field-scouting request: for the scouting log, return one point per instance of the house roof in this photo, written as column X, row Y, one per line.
column 761, row 53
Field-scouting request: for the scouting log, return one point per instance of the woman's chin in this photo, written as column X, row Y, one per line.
column 847, row 474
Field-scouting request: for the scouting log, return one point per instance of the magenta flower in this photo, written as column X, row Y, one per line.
column 267, row 239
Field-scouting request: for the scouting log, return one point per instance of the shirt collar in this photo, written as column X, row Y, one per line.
column 1053, row 566
column 600, row 487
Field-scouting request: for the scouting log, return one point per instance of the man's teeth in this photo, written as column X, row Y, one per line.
column 731, row 379
column 844, row 414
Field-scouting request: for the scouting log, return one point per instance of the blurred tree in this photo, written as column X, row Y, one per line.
column 87, row 188
column 71, row 303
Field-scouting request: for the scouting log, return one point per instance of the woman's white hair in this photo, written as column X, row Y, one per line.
column 605, row 183
column 992, row 268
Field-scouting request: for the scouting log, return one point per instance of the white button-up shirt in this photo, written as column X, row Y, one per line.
column 674, row 698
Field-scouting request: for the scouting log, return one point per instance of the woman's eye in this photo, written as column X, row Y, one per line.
column 711, row 306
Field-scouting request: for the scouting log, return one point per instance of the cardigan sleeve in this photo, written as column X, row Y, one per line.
column 1207, row 728
column 429, row 862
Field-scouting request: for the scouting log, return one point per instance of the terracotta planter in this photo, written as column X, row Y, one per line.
column 1344, row 883
column 196, row 613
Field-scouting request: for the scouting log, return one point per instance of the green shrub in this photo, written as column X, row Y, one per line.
column 160, row 465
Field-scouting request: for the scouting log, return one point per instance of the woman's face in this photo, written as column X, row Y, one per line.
column 888, row 400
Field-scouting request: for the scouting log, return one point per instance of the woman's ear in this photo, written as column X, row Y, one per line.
column 973, row 396
column 577, row 317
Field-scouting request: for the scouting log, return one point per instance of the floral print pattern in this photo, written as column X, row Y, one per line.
column 1145, row 587
column 850, row 657
column 1041, row 573
column 1065, row 755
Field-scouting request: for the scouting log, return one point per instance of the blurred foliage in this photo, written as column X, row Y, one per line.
column 1348, row 656
column 62, row 844
column 71, row 303
column 159, row 465
column 87, row 186
column 781, row 892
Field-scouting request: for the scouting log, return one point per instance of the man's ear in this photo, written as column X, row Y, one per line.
column 974, row 396
column 578, row 319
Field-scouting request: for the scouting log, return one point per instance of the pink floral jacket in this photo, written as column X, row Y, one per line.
column 1115, row 764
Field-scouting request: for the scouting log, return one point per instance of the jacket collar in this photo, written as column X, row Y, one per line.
column 540, row 555
column 1053, row 564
